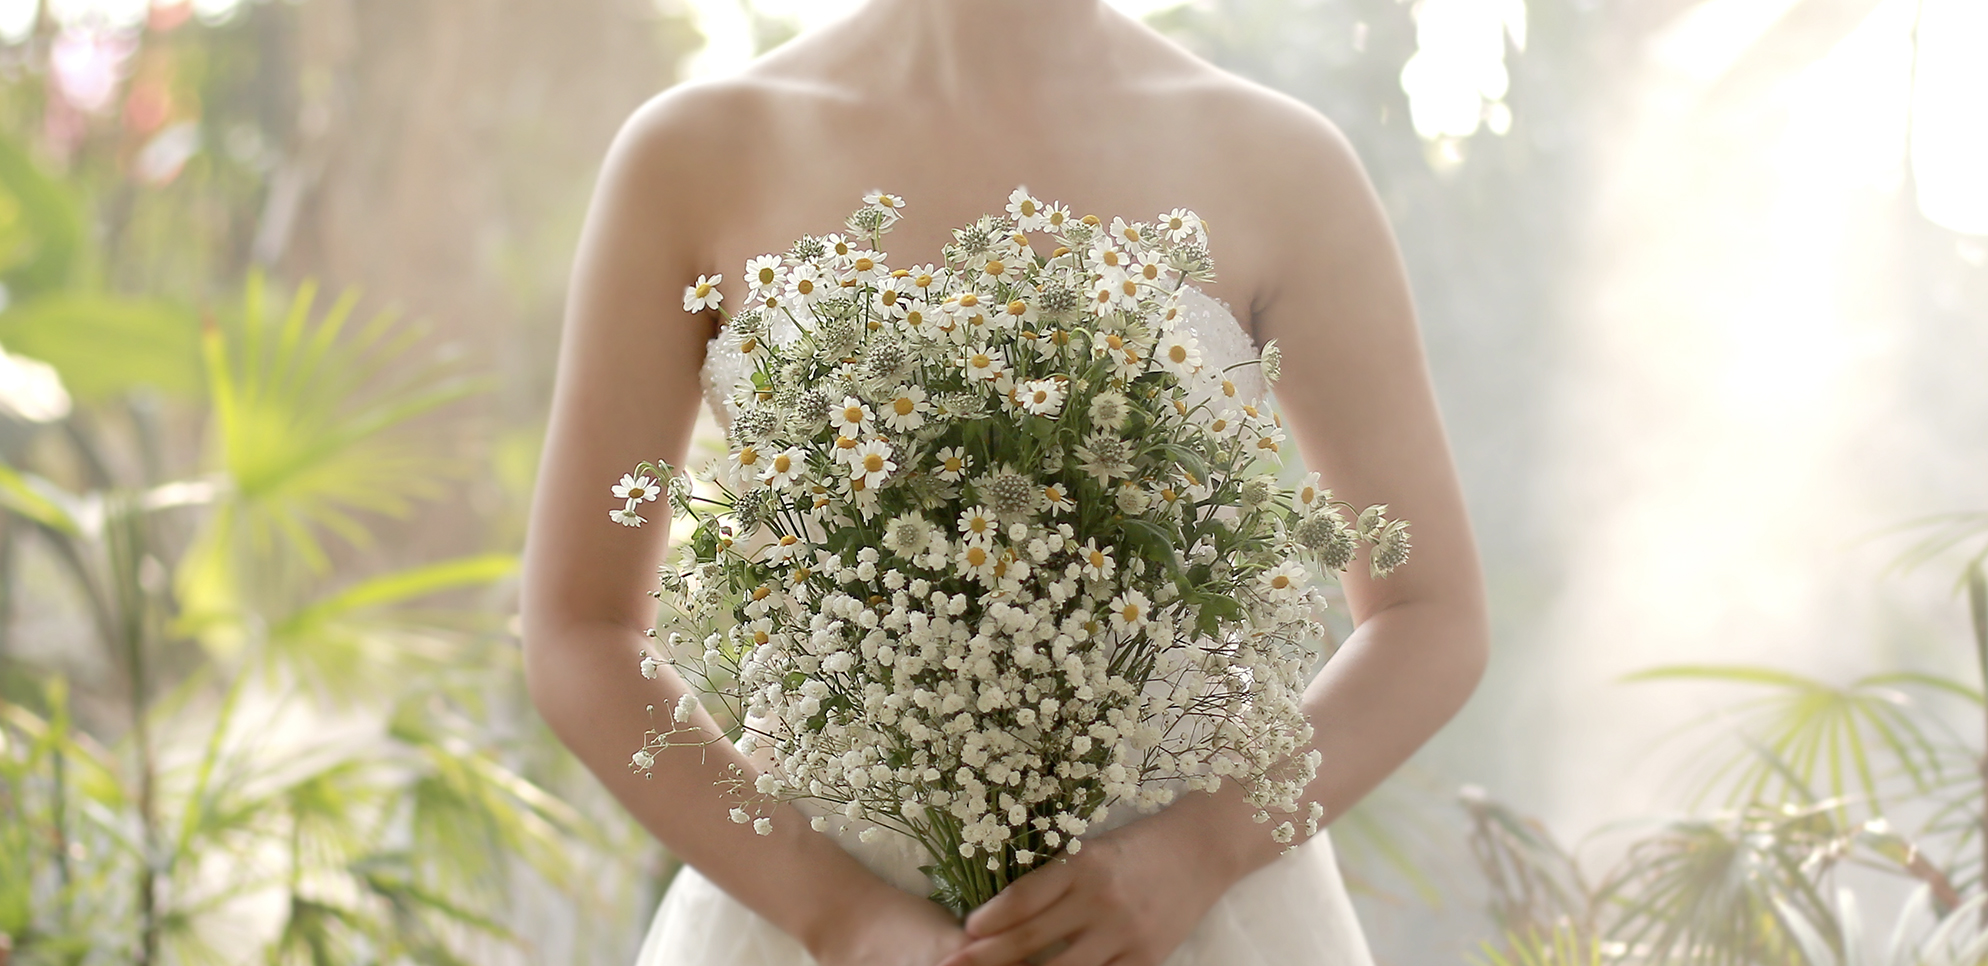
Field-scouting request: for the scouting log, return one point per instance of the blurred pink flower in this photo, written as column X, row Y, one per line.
column 88, row 63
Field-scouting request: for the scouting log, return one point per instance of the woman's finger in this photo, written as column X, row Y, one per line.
column 1093, row 947
column 1021, row 900
column 1059, row 921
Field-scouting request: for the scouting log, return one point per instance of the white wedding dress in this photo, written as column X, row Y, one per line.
column 1293, row 912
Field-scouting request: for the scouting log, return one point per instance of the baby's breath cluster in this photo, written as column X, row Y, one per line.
column 993, row 548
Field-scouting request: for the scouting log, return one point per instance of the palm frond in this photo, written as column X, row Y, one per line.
column 1854, row 743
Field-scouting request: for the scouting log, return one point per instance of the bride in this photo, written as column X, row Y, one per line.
column 951, row 103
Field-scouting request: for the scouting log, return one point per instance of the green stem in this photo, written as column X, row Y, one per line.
column 1977, row 608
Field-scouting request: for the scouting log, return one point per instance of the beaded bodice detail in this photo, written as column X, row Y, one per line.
column 1224, row 343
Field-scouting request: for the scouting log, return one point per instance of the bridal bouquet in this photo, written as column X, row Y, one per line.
column 992, row 548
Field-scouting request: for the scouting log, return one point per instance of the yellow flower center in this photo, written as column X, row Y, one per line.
column 1280, row 582
column 748, row 456
column 789, row 540
column 1178, row 353
column 1150, row 270
column 703, row 289
column 759, row 636
column 865, row 264
column 782, row 463
column 853, row 414
column 844, row 442
column 1028, row 208
column 914, row 318
column 1097, row 559
column 1130, row 612
column 760, row 592
column 1114, row 341
column 806, row 286
column 1018, row 307
column 981, row 360
column 888, row 296
column 903, row 405
column 976, row 557
column 767, row 275
column 1130, row 286
column 994, row 267
column 873, row 463
column 859, row 484
column 1228, row 388
column 969, row 300
column 954, row 464
column 1041, row 396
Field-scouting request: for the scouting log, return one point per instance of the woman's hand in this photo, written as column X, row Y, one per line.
column 896, row 929
column 1129, row 898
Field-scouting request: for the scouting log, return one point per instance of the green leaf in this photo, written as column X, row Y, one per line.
column 28, row 496
column 103, row 345
column 400, row 587
column 41, row 226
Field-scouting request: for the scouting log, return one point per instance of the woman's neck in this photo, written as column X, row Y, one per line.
column 971, row 52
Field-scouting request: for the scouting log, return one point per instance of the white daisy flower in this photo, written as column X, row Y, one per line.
column 1309, row 494
column 978, row 561
column 918, row 318
column 997, row 270
column 906, row 409
column 786, row 549
column 1096, row 561
column 984, row 364
column 785, row 468
column 1055, row 217
column 978, row 525
column 926, row 280
column 703, row 295
column 1283, row 583
column 953, row 464
column 1152, row 269
column 871, row 464
column 626, row 516
column 1106, row 255
column 840, row 248
column 1057, row 498
column 1042, row 397
column 852, row 418
column 1129, row 612
column 763, row 274
column 891, row 300
column 1130, row 234
column 867, row 266
column 746, row 462
column 1179, row 353
column 883, row 199
column 1019, row 313
column 636, row 489
column 806, row 285
column 1028, row 213
column 1181, row 224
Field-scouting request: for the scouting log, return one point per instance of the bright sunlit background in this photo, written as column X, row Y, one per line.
column 1704, row 285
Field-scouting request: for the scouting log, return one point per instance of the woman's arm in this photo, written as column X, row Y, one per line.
column 627, row 390
column 1356, row 396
